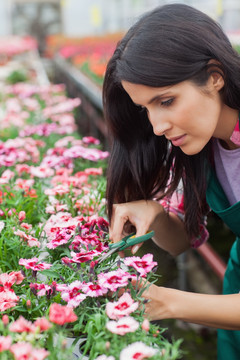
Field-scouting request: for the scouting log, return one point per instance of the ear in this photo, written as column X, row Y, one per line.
column 216, row 74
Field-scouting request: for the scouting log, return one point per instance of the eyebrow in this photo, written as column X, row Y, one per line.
column 157, row 97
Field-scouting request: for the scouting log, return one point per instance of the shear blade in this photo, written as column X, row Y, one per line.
column 107, row 255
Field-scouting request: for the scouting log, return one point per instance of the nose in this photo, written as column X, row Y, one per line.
column 160, row 124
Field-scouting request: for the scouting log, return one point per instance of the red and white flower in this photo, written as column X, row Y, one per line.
column 123, row 307
column 73, row 295
column 143, row 265
column 123, row 326
column 8, row 299
column 93, row 290
column 32, row 264
column 137, row 351
column 22, row 325
column 114, row 279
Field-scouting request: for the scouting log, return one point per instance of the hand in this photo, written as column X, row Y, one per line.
column 138, row 215
column 159, row 301
column 157, row 307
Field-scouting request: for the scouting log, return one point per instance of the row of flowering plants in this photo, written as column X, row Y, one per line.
column 53, row 228
column 89, row 54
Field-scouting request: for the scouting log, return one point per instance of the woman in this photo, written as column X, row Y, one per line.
column 172, row 99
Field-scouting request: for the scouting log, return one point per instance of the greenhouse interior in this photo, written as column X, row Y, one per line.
column 66, row 290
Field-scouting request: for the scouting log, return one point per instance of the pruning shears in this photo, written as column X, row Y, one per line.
column 126, row 242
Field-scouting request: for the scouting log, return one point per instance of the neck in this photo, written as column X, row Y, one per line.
column 228, row 120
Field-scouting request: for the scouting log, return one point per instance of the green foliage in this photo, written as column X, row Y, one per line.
column 17, row 76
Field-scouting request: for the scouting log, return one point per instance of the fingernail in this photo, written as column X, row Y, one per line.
column 135, row 249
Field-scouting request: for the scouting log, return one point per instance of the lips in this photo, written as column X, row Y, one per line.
column 178, row 140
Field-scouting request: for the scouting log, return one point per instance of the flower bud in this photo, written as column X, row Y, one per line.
column 28, row 303
column 146, row 325
column 5, row 319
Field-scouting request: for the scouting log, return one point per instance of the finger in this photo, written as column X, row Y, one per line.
column 140, row 232
column 135, row 248
column 121, row 254
column 119, row 219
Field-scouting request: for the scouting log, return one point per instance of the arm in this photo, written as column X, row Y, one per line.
column 219, row 311
column 150, row 215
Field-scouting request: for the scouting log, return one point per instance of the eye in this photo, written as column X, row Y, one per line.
column 167, row 102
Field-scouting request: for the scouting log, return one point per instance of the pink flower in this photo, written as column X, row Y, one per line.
column 21, row 215
column 5, row 343
column 61, row 315
column 90, row 140
column 26, row 226
column 18, row 276
column 43, row 324
column 143, row 266
column 137, row 351
column 31, row 241
column 93, row 290
column 42, row 171
column 72, row 294
column 123, row 307
column 7, row 280
column 83, row 256
column 93, row 171
column 123, row 326
column 6, row 176
column 58, row 190
column 62, row 107
column 39, row 354
column 21, row 350
column 21, row 168
column 114, row 279
column 79, row 151
column 62, row 237
column 22, row 325
column 24, row 184
column 43, row 289
column 32, row 264
column 8, row 299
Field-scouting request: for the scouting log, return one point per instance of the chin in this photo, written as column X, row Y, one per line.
column 188, row 150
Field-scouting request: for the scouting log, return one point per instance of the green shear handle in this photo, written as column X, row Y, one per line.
column 131, row 240
column 126, row 242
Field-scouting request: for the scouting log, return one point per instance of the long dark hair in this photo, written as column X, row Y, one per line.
column 166, row 46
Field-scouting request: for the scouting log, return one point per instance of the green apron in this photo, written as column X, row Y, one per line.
column 228, row 340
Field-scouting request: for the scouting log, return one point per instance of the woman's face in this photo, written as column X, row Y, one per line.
column 186, row 114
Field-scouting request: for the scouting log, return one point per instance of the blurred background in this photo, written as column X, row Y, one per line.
column 72, row 18
column 70, row 42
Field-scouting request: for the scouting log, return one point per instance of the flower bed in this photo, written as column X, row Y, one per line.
column 53, row 228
